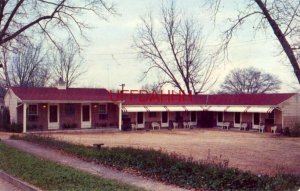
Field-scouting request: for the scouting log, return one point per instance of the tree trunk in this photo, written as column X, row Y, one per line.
column 283, row 41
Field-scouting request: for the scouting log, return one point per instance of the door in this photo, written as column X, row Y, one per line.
column 86, row 116
column 53, row 116
column 256, row 120
column 193, row 118
column 220, row 118
column 140, row 120
column 237, row 119
column 164, row 119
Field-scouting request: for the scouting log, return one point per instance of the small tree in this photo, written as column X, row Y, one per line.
column 67, row 64
column 249, row 81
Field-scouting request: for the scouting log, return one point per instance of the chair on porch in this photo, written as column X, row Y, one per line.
column 133, row 126
column 175, row 125
column 244, row 126
column 186, row 124
column 274, row 129
column 261, row 128
column 155, row 125
column 226, row 125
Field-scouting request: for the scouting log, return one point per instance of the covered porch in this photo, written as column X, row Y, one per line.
column 61, row 115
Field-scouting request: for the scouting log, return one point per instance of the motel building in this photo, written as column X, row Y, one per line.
column 60, row 108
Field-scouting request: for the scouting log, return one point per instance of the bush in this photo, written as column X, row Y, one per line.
column 295, row 131
column 4, row 118
column 286, row 131
column 15, row 128
column 172, row 168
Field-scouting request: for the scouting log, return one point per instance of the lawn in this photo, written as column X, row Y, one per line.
column 52, row 176
column 257, row 152
column 172, row 168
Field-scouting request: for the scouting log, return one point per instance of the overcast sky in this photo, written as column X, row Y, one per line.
column 110, row 59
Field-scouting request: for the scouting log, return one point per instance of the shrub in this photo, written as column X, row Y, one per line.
column 172, row 168
column 286, row 131
column 4, row 118
column 295, row 131
column 15, row 128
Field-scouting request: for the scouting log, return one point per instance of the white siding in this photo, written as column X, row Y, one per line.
column 11, row 101
column 291, row 110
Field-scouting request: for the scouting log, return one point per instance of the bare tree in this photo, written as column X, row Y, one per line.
column 22, row 19
column 176, row 51
column 29, row 68
column 281, row 16
column 67, row 64
column 249, row 81
column 154, row 87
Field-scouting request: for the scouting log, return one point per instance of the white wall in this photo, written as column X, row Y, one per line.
column 11, row 101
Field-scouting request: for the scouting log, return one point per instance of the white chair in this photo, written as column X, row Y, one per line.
column 261, row 128
column 186, row 124
column 155, row 125
column 133, row 126
column 175, row 125
column 226, row 125
column 274, row 129
column 244, row 126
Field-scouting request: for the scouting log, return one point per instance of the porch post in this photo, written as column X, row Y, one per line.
column 24, row 117
column 120, row 116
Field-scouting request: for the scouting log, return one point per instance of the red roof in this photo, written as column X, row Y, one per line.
column 213, row 99
column 98, row 94
column 69, row 94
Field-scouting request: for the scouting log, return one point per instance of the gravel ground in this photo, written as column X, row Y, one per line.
column 260, row 153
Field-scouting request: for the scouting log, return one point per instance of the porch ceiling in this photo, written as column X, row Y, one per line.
column 176, row 108
column 157, row 108
column 134, row 109
column 236, row 109
column 194, row 108
column 265, row 109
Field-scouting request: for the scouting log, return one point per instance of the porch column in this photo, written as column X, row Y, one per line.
column 120, row 116
column 24, row 117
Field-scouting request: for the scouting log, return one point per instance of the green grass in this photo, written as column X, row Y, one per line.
column 171, row 168
column 49, row 175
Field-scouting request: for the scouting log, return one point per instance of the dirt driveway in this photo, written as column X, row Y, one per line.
column 259, row 153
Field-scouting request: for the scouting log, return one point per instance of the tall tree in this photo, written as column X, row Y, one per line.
column 249, row 81
column 29, row 68
column 67, row 64
column 281, row 16
column 175, row 50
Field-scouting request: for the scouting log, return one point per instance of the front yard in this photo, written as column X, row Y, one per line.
column 259, row 153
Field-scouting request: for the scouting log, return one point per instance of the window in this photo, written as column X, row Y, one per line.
column 178, row 116
column 32, row 112
column 193, row 116
column 102, row 109
column 70, row 109
column 220, row 116
column 152, row 114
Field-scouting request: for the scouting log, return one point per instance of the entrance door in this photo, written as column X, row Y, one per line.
column 193, row 118
column 86, row 116
column 140, row 120
column 165, row 119
column 237, row 119
column 53, row 116
column 256, row 120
